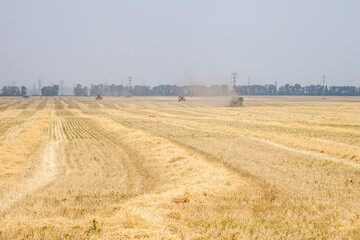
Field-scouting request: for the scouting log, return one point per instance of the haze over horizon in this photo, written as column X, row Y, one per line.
column 171, row 42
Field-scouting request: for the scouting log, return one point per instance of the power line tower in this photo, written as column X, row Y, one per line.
column 248, row 86
column 191, row 92
column 129, row 82
column 234, row 77
column 323, row 87
column 39, row 85
column 61, row 87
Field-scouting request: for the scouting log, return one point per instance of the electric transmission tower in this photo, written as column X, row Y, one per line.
column 39, row 84
column 129, row 82
column 234, row 77
column 323, row 87
column 61, row 87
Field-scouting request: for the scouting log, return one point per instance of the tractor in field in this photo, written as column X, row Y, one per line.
column 182, row 99
column 236, row 102
column 99, row 97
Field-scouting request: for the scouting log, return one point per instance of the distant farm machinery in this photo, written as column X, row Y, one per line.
column 99, row 97
column 236, row 102
column 182, row 99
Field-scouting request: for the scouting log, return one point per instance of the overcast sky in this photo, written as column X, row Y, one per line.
column 168, row 41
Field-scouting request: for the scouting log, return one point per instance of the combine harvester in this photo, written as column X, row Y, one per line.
column 182, row 99
column 237, row 102
column 99, row 97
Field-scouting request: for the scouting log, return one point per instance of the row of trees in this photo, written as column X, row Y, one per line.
column 161, row 90
column 13, row 91
column 195, row 90
column 297, row 89
column 215, row 90
column 50, row 90
column 16, row 91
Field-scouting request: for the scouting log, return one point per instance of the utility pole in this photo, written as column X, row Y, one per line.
column 34, row 88
column 61, row 87
column 248, row 86
column 323, row 86
column 234, row 77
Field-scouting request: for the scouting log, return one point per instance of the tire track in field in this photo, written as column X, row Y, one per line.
column 44, row 174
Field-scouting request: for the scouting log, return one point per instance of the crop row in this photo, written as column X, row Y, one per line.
column 9, row 127
column 74, row 128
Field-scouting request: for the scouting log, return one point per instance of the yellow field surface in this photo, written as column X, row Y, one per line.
column 156, row 168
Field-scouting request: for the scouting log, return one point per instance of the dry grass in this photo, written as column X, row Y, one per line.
column 154, row 168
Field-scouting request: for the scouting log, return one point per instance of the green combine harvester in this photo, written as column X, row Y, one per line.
column 237, row 102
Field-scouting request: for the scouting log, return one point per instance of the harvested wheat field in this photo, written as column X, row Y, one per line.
column 155, row 168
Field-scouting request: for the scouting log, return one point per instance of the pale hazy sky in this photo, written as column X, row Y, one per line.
column 168, row 41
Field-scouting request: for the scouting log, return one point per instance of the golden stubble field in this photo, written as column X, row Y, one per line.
column 155, row 168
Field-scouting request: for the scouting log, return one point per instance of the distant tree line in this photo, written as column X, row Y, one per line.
column 50, row 90
column 16, row 91
column 297, row 89
column 215, row 90
column 194, row 90
column 161, row 90
column 13, row 91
